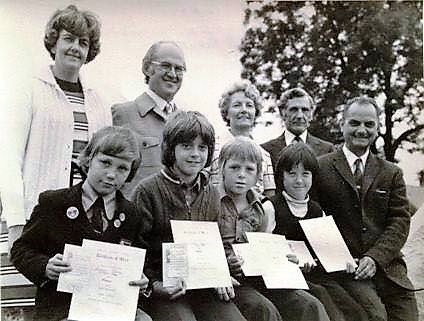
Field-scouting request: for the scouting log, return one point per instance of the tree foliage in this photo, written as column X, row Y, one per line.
column 338, row 50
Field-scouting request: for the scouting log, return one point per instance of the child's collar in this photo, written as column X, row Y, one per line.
column 201, row 180
column 251, row 195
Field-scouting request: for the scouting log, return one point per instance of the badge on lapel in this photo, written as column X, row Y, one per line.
column 72, row 212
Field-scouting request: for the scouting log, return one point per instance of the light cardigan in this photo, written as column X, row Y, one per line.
column 36, row 135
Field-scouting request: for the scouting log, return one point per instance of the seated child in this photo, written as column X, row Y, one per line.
column 180, row 192
column 88, row 210
column 295, row 170
column 242, row 211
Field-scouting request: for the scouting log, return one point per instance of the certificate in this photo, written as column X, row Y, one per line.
column 270, row 250
column 175, row 263
column 327, row 242
column 302, row 252
column 107, row 295
column 78, row 277
column 251, row 265
column 207, row 264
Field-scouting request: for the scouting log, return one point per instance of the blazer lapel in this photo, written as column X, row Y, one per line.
column 370, row 172
column 342, row 166
column 144, row 104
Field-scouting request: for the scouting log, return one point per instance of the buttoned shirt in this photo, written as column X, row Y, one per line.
column 160, row 104
column 351, row 158
column 289, row 137
column 234, row 224
column 89, row 197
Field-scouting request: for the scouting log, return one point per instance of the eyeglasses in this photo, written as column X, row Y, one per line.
column 167, row 67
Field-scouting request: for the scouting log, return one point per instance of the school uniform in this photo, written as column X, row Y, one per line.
column 61, row 218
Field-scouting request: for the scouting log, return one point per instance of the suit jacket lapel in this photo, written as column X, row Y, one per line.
column 370, row 172
column 342, row 166
column 144, row 104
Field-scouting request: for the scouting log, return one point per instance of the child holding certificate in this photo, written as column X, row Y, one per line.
column 180, row 192
column 93, row 209
column 240, row 163
column 295, row 170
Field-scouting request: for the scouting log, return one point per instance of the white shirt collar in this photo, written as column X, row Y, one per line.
column 289, row 136
column 89, row 196
column 160, row 102
column 351, row 157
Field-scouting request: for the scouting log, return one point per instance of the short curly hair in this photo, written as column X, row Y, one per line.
column 248, row 89
column 79, row 23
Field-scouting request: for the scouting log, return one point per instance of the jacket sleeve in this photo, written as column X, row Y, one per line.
column 28, row 253
column 153, row 264
column 15, row 124
column 395, row 233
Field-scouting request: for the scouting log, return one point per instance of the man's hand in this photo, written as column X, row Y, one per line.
column 366, row 268
column 172, row 292
column 14, row 233
column 55, row 266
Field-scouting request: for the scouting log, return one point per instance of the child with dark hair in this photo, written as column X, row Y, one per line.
column 240, row 163
column 180, row 192
column 295, row 169
column 93, row 209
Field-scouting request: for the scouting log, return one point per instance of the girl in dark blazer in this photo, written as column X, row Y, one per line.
column 67, row 216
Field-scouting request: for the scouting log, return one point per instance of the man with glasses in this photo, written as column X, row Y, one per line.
column 297, row 111
column 163, row 68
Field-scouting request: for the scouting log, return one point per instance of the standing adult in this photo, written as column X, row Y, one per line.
column 45, row 126
column 367, row 197
column 297, row 111
column 163, row 68
column 240, row 106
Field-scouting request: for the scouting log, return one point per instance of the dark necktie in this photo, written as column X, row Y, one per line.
column 98, row 209
column 358, row 174
column 297, row 139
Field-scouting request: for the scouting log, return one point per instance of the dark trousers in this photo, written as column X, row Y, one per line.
column 195, row 305
column 401, row 304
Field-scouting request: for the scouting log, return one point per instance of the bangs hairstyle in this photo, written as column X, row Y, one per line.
column 79, row 23
column 183, row 127
column 243, row 149
column 113, row 141
column 290, row 157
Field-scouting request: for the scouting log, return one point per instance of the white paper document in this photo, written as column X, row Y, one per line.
column 175, row 263
column 107, row 295
column 77, row 278
column 302, row 252
column 327, row 242
column 207, row 264
column 251, row 266
column 270, row 251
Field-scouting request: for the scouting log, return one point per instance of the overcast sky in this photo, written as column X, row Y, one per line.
column 209, row 33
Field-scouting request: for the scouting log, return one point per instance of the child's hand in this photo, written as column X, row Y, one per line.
column 293, row 258
column 366, row 268
column 307, row 267
column 55, row 266
column 235, row 263
column 350, row 268
column 172, row 292
column 142, row 283
column 227, row 293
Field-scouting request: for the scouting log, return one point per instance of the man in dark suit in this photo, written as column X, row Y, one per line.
column 296, row 110
column 163, row 68
column 366, row 196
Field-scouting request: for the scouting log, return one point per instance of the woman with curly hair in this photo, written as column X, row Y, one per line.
column 50, row 122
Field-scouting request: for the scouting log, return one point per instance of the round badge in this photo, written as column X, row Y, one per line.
column 117, row 223
column 72, row 212
column 121, row 217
